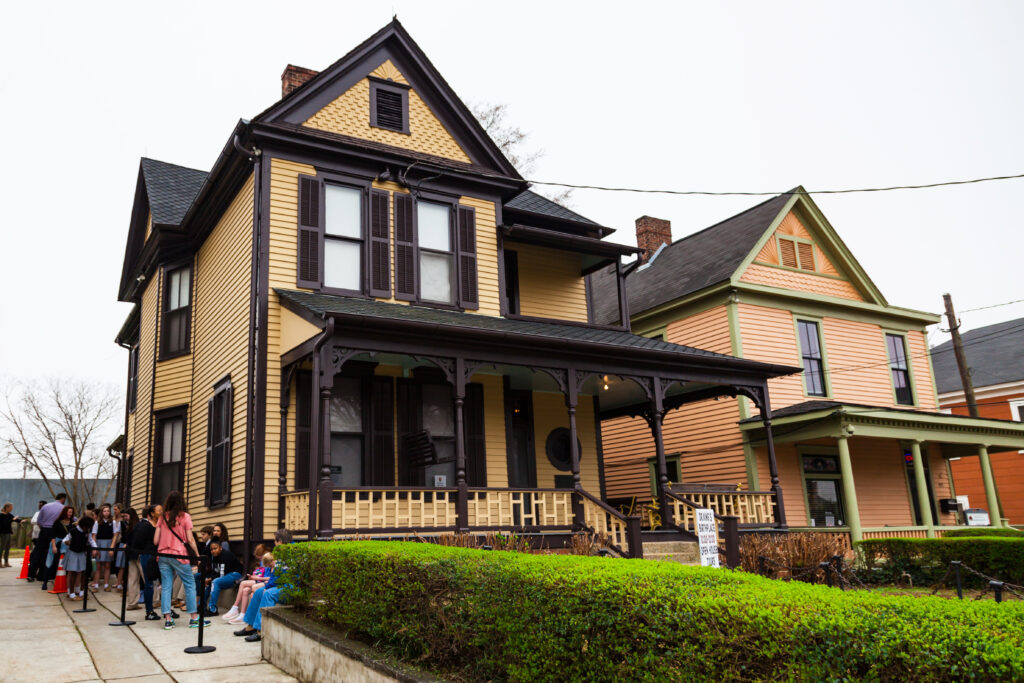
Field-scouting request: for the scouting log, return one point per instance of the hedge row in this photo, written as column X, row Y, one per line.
column 927, row 559
column 1002, row 532
column 491, row 615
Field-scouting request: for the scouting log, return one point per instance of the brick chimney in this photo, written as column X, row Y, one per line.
column 293, row 77
column 651, row 233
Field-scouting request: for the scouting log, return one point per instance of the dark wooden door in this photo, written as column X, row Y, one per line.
column 522, row 463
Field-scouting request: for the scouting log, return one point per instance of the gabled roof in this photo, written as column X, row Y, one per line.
column 393, row 42
column 995, row 355
column 689, row 264
column 531, row 202
column 171, row 189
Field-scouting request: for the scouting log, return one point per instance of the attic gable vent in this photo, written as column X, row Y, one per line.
column 796, row 254
column 389, row 106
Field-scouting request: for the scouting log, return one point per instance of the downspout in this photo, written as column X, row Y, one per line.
column 252, row 370
column 122, row 489
column 120, row 474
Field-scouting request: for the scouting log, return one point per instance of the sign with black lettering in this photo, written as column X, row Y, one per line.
column 707, row 537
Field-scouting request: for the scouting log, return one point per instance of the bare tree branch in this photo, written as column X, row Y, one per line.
column 57, row 429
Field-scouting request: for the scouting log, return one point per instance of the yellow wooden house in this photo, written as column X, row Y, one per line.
column 360, row 320
column 860, row 446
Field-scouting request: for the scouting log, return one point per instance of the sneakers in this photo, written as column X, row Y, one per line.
column 45, row 585
column 240, row 619
column 168, row 624
column 152, row 616
column 254, row 638
column 231, row 614
column 194, row 623
column 175, row 615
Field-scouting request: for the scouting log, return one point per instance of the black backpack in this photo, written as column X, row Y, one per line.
column 78, row 544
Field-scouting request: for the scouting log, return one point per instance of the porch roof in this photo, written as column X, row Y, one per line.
column 817, row 419
column 526, row 332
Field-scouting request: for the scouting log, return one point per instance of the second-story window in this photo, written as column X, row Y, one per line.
column 433, row 223
column 810, row 354
column 133, row 377
column 343, row 238
column 511, row 282
column 177, row 307
column 900, row 369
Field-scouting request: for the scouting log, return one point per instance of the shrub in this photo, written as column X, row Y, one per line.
column 795, row 549
column 991, row 533
column 927, row 559
column 520, row 617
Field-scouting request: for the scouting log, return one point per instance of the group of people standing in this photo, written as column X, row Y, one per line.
column 159, row 546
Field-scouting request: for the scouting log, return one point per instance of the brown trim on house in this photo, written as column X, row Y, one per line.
column 162, row 307
column 174, row 412
column 261, row 202
column 578, row 243
column 574, row 323
column 152, row 385
column 600, row 448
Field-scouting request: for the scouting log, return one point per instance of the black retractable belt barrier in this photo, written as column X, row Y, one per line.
column 199, row 648
column 124, row 589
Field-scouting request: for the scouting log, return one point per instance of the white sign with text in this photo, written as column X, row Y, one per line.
column 707, row 538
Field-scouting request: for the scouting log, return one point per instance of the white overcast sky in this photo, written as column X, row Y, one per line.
column 718, row 96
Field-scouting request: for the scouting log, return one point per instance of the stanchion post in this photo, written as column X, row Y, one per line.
column 837, row 563
column 762, row 566
column 199, row 648
column 959, row 585
column 827, row 568
column 85, row 599
column 124, row 591
column 997, row 588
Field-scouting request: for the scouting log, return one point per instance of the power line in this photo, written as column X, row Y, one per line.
column 985, row 308
column 766, row 194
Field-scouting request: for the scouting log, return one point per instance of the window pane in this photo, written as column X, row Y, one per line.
column 173, row 285
column 217, row 472
column 342, row 264
column 438, row 411
column 435, row 277
column 177, row 427
column 343, row 209
column 432, row 222
column 824, row 502
column 346, row 460
column 167, row 442
column 183, row 274
column 167, row 478
column 347, row 405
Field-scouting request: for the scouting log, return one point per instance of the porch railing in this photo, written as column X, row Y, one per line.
column 296, row 510
column 520, row 508
column 753, row 508
column 394, row 509
column 620, row 532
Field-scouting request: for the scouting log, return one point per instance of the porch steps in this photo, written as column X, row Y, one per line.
column 683, row 552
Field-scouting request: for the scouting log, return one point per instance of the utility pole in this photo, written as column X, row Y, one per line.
column 961, row 359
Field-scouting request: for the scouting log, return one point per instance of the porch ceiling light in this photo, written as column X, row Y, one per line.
column 606, row 382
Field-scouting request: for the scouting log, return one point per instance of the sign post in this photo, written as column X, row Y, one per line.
column 707, row 537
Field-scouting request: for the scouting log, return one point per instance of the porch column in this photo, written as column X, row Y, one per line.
column 990, row 486
column 773, row 468
column 313, row 459
column 571, row 401
column 849, row 491
column 924, row 504
column 656, row 419
column 325, row 489
column 462, row 502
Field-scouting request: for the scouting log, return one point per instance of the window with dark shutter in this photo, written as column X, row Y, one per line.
column 168, row 468
column 218, row 445
column 405, row 249
column 389, row 106
column 810, row 354
column 177, row 312
column 310, row 232
column 787, row 253
column 133, row 377
column 380, row 245
column 806, row 252
column 468, row 294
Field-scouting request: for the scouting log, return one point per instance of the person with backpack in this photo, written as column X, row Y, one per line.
column 143, row 568
column 174, row 536
column 78, row 556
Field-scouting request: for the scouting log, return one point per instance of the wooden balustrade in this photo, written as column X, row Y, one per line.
column 393, row 509
column 520, row 508
column 606, row 522
column 296, row 510
column 751, row 507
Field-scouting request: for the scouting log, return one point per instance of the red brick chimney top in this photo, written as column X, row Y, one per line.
column 293, row 77
column 651, row 233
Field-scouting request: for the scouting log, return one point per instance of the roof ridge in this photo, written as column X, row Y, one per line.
column 170, row 163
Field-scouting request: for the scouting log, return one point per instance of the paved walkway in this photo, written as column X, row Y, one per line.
column 42, row 639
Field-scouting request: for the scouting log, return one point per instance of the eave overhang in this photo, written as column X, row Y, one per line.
column 601, row 253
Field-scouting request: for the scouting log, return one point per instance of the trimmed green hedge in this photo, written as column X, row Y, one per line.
column 927, row 559
column 492, row 615
column 989, row 533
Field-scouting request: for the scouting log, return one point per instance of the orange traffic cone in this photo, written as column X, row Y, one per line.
column 60, row 583
column 24, row 565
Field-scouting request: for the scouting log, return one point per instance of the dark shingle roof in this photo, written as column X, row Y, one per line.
column 171, row 189
column 995, row 355
column 323, row 304
column 688, row 265
column 532, row 202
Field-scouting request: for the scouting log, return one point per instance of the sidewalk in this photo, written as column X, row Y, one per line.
column 41, row 639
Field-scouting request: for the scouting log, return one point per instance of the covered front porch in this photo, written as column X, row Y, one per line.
column 877, row 472
column 402, row 420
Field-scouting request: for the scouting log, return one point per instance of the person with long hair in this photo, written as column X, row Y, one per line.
column 105, row 535
column 129, row 520
column 61, row 528
column 174, row 536
column 121, row 515
column 7, row 519
column 220, row 533
column 143, row 569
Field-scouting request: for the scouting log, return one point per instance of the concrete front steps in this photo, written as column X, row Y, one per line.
column 683, row 552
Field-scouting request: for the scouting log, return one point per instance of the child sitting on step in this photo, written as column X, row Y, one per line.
column 259, row 576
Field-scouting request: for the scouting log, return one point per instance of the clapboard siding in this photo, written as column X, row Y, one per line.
column 921, row 366
column 142, row 417
column 858, row 363
column 769, row 335
column 550, row 282
column 784, row 278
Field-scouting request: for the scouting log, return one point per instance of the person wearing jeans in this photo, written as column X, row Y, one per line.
column 227, row 570
column 173, row 536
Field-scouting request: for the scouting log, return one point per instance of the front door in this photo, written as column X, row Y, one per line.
column 522, row 470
